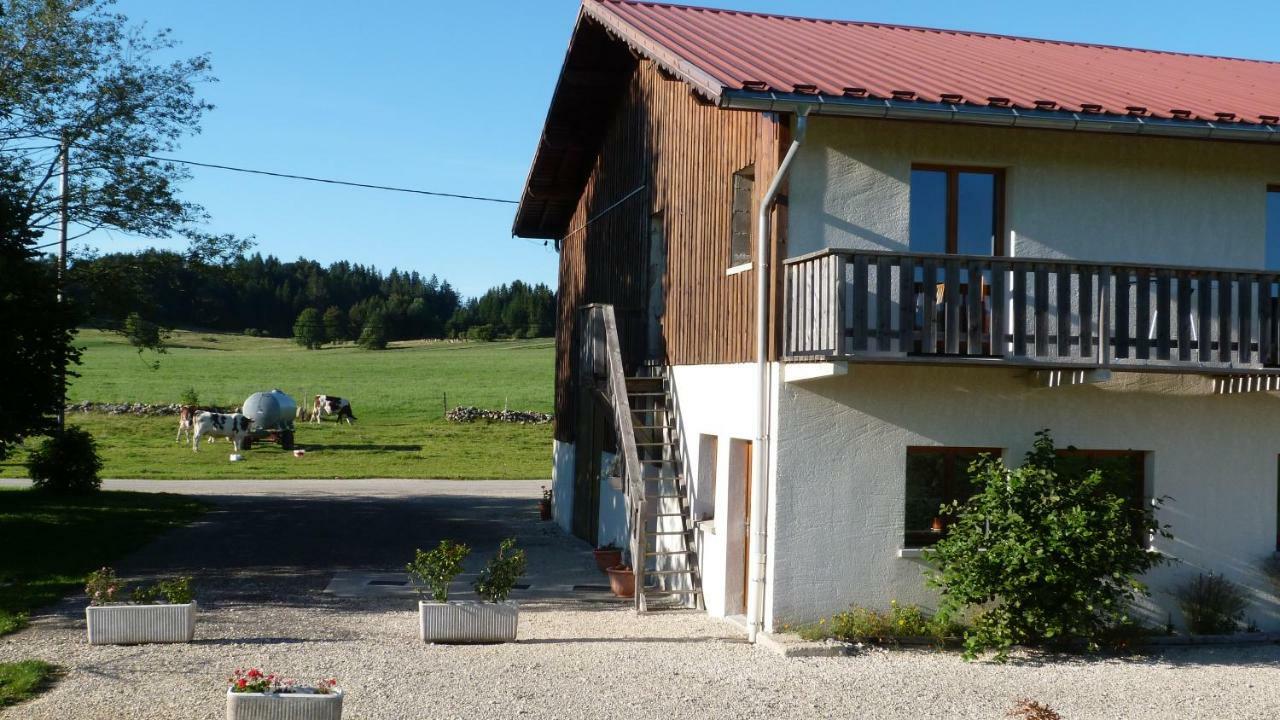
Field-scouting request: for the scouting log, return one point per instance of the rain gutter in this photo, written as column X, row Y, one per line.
column 996, row 116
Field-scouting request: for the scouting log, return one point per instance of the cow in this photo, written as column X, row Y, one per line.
column 186, row 417
column 332, row 405
column 233, row 426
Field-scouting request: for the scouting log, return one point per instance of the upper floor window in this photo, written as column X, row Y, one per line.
column 936, row 476
column 744, row 182
column 1273, row 227
column 957, row 210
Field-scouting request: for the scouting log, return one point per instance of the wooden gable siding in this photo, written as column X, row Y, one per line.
column 684, row 153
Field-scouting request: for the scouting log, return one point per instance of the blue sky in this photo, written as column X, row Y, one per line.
column 450, row 96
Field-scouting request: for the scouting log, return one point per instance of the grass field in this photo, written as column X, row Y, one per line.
column 399, row 396
column 23, row 680
column 54, row 541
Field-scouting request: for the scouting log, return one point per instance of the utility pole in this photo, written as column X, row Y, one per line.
column 63, row 219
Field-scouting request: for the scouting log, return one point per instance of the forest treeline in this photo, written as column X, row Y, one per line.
column 265, row 296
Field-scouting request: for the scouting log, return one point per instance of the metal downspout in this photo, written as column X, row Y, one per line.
column 760, row 453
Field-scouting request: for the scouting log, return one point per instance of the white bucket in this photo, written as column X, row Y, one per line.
column 236, row 457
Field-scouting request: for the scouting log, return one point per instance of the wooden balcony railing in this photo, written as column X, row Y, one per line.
column 882, row 306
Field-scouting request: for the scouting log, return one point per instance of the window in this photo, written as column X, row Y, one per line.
column 936, row 476
column 1123, row 472
column 744, row 183
column 957, row 210
column 1273, row 227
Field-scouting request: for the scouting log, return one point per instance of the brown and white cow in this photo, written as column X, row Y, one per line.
column 332, row 405
column 186, row 419
column 233, row 426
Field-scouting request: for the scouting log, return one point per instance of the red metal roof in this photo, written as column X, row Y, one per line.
column 727, row 50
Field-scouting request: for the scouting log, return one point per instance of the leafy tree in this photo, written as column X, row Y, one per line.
column 36, row 331
column 144, row 335
column 335, row 324
column 374, row 334
column 308, row 329
column 1041, row 554
column 73, row 68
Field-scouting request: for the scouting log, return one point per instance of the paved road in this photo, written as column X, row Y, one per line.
column 281, row 541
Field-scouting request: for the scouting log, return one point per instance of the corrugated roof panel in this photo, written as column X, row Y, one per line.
column 784, row 52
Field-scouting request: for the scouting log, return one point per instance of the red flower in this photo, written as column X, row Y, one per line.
column 254, row 673
column 241, row 683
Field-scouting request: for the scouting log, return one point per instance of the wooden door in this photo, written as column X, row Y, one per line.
column 593, row 439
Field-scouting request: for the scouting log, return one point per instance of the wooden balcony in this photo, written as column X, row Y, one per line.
column 1056, row 314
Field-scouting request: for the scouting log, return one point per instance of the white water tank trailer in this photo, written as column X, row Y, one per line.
column 272, row 414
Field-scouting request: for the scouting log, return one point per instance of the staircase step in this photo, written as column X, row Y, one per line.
column 653, row 427
column 654, row 591
column 650, row 533
column 661, row 553
column 663, row 497
column 668, row 572
column 646, row 393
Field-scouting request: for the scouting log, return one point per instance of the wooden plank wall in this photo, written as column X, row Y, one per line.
column 685, row 153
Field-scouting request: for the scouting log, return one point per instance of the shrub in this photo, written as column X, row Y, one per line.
column 190, row 397
column 859, row 624
column 481, row 333
column 66, row 463
column 500, row 575
column 1212, row 605
column 437, row 569
column 1041, row 556
column 1028, row 709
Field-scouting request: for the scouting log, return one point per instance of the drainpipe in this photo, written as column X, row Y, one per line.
column 760, row 453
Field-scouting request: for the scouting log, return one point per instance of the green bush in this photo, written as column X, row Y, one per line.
column 500, row 575
column 859, row 624
column 1212, row 605
column 308, row 329
column 1041, row 556
column 190, row 397
column 66, row 463
column 437, row 569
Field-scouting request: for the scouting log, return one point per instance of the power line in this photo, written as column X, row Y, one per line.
column 332, row 181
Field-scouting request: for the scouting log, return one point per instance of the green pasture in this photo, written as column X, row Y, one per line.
column 399, row 396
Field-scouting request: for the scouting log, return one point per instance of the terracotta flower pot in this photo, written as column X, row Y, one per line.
column 622, row 581
column 607, row 558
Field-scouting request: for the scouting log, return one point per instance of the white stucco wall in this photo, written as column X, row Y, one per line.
column 719, row 400
column 1068, row 195
column 562, row 459
column 840, row 495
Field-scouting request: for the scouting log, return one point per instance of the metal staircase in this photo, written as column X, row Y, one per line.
column 650, row 463
column 666, row 562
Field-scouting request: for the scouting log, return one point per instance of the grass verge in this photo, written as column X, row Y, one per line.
column 55, row 541
column 24, row 680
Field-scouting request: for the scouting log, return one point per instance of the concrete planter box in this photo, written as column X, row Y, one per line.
column 134, row 624
column 284, row 706
column 468, row 622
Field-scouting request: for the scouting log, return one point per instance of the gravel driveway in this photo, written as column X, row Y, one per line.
column 264, row 558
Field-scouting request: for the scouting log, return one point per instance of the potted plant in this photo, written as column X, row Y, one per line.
column 164, row 612
column 607, row 556
column 255, row 695
column 622, row 581
column 544, row 505
column 492, row 619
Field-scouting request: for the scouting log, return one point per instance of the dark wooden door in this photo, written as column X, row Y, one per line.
column 593, row 440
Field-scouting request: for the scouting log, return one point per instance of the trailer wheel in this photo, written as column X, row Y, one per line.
column 286, row 440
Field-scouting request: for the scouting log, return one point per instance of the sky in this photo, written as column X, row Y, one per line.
column 450, row 96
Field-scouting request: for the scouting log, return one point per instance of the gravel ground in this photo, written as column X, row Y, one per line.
column 578, row 660
column 575, row 657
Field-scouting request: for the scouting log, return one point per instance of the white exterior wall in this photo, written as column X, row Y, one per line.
column 842, row 465
column 562, row 460
column 719, row 400
column 1069, row 195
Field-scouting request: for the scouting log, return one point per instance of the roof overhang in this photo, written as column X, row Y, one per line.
column 995, row 116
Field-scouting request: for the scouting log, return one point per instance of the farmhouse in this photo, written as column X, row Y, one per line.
column 809, row 269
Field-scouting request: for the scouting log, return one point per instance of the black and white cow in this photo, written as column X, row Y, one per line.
column 332, row 405
column 233, row 426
